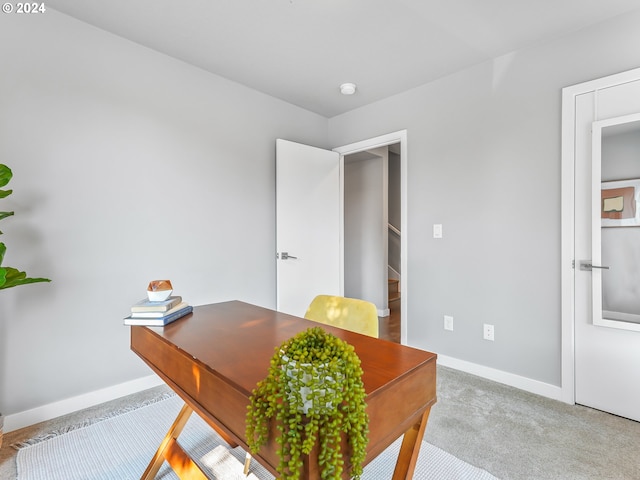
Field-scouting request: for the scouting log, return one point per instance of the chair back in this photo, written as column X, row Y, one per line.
column 351, row 314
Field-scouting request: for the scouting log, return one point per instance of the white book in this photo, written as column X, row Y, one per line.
column 180, row 306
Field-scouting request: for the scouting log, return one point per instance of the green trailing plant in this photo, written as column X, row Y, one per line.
column 9, row 276
column 314, row 392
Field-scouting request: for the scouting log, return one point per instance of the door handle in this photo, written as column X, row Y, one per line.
column 285, row 256
column 587, row 267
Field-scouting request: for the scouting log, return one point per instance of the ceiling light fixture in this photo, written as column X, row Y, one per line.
column 348, row 88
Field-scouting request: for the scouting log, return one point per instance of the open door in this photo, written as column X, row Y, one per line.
column 308, row 218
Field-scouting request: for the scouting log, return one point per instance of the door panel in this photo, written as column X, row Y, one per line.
column 607, row 359
column 308, row 221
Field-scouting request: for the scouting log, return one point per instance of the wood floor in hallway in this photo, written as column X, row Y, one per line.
column 389, row 327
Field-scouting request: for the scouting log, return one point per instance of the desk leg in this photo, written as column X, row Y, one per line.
column 410, row 449
column 170, row 450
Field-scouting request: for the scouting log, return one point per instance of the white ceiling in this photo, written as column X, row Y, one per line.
column 302, row 50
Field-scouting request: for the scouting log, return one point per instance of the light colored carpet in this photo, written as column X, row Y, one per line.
column 121, row 446
column 517, row 435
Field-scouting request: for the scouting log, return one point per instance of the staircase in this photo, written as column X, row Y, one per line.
column 390, row 327
column 394, row 293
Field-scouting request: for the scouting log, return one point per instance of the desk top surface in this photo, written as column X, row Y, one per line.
column 236, row 340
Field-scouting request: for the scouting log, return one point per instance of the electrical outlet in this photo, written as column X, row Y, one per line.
column 448, row 322
column 437, row 230
column 488, row 332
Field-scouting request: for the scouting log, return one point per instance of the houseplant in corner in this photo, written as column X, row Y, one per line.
column 314, row 393
column 10, row 277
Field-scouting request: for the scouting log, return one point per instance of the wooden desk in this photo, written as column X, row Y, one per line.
column 214, row 357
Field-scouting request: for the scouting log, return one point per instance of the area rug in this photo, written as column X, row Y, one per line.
column 120, row 447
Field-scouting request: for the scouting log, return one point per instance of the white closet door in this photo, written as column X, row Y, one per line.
column 607, row 352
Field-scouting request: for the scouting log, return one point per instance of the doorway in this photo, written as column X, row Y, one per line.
column 372, row 233
column 374, row 240
column 302, row 256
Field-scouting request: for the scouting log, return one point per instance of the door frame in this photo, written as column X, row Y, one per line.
column 368, row 144
column 567, row 233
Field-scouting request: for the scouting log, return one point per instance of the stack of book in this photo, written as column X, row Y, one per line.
column 157, row 314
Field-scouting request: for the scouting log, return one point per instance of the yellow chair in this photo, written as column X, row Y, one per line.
column 351, row 314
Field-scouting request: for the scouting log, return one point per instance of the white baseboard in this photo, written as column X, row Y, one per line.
column 52, row 410
column 506, row 378
column 383, row 312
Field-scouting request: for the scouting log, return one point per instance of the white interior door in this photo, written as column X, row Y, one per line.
column 607, row 336
column 308, row 219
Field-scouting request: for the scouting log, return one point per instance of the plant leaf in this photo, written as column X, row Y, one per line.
column 5, row 175
column 3, row 249
column 14, row 277
column 5, row 193
column 5, row 214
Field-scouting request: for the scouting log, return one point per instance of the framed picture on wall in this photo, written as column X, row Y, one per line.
column 620, row 203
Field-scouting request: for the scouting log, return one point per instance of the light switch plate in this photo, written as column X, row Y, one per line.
column 437, row 230
column 448, row 322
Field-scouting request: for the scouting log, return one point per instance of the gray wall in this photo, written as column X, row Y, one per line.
column 128, row 166
column 365, row 227
column 484, row 161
